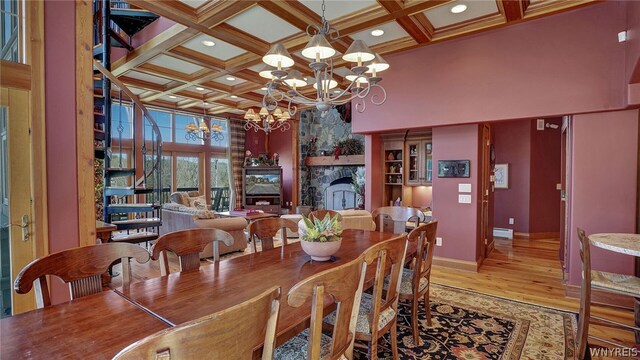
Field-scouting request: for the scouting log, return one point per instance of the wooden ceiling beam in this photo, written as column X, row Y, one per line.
column 163, row 72
column 196, row 57
column 214, row 13
column 410, row 24
column 513, row 10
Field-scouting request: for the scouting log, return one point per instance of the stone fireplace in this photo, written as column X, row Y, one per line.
column 329, row 187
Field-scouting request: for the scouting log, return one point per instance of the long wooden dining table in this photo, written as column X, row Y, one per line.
column 100, row 325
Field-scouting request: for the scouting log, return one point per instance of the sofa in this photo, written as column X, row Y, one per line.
column 351, row 219
column 178, row 216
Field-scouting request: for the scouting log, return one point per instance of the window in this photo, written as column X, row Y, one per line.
column 165, row 164
column 9, row 30
column 187, row 173
column 163, row 119
column 224, row 142
column 120, row 160
column 121, row 121
column 220, row 192
column 181, row 122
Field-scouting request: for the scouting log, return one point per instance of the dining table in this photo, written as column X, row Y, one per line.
column 100, row 325
column 622, row 243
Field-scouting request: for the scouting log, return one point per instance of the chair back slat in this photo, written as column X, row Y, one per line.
column 266, row 230
column 425, row 235
column 233, row 333
column 187, row 245
column 73, row 265
column 86, row 286
column 585, row 292
column 389, row 255
column 343, row 285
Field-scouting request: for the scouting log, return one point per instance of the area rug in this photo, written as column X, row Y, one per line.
column 469, row 325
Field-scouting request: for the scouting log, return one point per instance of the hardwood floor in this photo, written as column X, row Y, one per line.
column 519, row 269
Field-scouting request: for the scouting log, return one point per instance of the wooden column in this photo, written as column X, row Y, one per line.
column 295, row 153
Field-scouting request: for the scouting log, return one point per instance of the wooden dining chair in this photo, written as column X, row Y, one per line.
column 233, row 333
column 266, row 229
column 385, row 216
column 81, row 268
column 320, row 214
column 342, row 286
column 187, row 245
column 379, row 310
column 605, row 281
column 415, row 282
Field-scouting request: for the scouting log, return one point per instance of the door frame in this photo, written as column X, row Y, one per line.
column 29, row 77
column 565, row 181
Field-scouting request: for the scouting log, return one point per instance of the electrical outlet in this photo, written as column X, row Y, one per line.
column 512, row 221
column 438, row 241
column 558, row 186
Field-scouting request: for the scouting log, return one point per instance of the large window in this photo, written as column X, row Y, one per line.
column 220, row 190
column 10, row 30
column 187, row 173
column 120, row 160
column 121, row 121
column 163, row 119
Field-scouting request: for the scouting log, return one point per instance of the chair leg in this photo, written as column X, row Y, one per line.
column 414, row 322
column 427, row 308
column 373, row 349
column 394, row 340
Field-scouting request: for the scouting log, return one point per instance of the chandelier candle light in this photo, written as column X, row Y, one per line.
column 267, row 121
column 201, row 131
column 284, row 84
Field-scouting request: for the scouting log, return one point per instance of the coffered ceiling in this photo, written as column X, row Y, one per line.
column 179, row 67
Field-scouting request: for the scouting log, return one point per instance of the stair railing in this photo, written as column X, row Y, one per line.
column 155, row 144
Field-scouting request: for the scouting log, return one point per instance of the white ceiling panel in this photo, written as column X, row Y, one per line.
column 146, row 77
column 442, row 16
column 338, row 8
column 224, row 80
column 135, row 90
column 263, row 24
column 194, row 3
column 221, row 50
column 392, row 31
column 175, row 64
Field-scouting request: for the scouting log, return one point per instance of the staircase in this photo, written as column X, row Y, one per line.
column 130, row 196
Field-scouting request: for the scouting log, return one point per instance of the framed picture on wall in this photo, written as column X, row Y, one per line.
column 453, row 168
column 502, row 176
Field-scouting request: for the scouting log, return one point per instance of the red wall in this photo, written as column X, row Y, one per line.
column 604, row 185
column 373, row 165
column 60, row 112
column 563, row 64
column 457, row 223
column 544, row 198
column 512, row 141
column 255, row 141
column 633, row 53
column 282, row 143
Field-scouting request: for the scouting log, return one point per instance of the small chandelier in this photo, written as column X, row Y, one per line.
column 267, row 121
column 363, row 76
column 201, row 131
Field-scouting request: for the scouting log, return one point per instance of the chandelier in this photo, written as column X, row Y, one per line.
column 363, row 76
column 267, row 121
column 195, row 131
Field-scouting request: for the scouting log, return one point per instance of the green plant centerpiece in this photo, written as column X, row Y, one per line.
column 321, row 238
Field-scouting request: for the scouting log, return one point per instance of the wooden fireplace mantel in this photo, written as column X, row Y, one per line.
column 343, row 160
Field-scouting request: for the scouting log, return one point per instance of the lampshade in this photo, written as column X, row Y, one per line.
column 203, row 126
column 277, row 112
column 279, row 56
column 265, row 71
column 295, row 79
column 378, row 64
column 352, row 77
column 285, row 116
column 358, row 51
column 270, row 118
column 318, row 45
column 250, row 114
column 332, row 83
column 264, row 112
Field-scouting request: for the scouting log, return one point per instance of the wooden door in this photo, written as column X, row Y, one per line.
column 486, row 236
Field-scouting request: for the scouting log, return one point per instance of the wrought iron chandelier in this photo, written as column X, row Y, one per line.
column 195, row 131
column 285, row 84
column 267, row 121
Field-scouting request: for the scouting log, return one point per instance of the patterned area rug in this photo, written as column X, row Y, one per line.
column 469, row 325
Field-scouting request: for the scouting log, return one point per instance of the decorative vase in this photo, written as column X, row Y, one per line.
column 320, row 251
column 391, row 156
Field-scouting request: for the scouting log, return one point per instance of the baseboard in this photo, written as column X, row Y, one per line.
column 456, row 264
column 541, row 235
column 602, row 297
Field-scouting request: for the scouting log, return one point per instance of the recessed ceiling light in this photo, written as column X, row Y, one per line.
column 200, row 88
column 458, row 8
column 172, row 97
column 234, row 97
column 377, row 32
column 208, row 43
column 230, row 78
column 337, row 91
column 263, row 88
